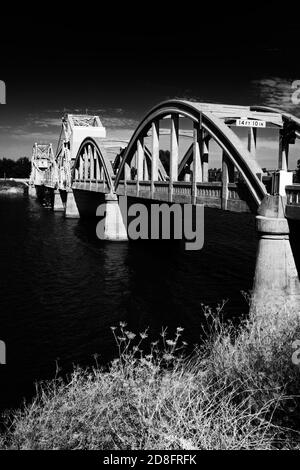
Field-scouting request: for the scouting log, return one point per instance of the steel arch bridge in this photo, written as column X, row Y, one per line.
column 83, row 177
column 82, row 161
column 137, row 170
column 207, row 124
column 92, row 169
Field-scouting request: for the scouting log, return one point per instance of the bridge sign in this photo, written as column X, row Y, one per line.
column 244, row 122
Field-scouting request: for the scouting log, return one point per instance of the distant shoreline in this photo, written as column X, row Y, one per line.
column 11, row 187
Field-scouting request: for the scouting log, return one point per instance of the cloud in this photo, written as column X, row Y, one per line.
column 111, row 118
column 276, row 92
column 116, row 122
column 44, row 127
column 45, row 122
column 185, row 97
column 92, row 111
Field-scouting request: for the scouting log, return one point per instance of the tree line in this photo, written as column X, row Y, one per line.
column 15, row 168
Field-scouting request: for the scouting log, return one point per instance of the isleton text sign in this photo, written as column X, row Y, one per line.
column 250, row 123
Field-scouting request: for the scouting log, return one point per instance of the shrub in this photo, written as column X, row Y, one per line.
column 238, row 390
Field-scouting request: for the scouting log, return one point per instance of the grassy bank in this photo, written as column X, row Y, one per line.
column 238, row 390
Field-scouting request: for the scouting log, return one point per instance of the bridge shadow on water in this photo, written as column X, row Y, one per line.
column 64, row 288
column 167, row 285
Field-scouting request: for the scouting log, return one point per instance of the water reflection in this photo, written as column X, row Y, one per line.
column 62, row 288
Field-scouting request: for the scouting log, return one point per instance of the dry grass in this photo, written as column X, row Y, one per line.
column 237, row 391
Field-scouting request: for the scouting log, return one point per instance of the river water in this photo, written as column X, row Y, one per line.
column 61, row 288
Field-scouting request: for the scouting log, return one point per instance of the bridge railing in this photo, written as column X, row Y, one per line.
column 92, row 184
column 211, row 194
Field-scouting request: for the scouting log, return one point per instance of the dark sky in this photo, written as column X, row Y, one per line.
column 119, row 61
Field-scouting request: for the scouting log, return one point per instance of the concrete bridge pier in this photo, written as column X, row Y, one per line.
column 112, row 226
column 58, row 205
column 32, row 191
column 276, row 281
column 71, row 210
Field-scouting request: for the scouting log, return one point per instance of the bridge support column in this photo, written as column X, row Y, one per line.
column 113, row 224
column 281, row 179
column 58, row 205
column 276, row 281
column 205, row 153
column 32, row 191
column 227, row 177
column 71, row 211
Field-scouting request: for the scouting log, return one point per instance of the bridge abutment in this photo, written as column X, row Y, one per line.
column 71, row 210
column 276, row 281
column 32, row 191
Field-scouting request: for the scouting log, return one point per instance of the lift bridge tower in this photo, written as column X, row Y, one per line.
column 42, row 159
column 75, row 129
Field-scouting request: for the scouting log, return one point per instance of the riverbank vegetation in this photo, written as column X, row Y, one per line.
column 239, row 389
column 20, row 168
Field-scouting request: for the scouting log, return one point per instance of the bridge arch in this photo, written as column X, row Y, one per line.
column 214, row 127
column 91, row 165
